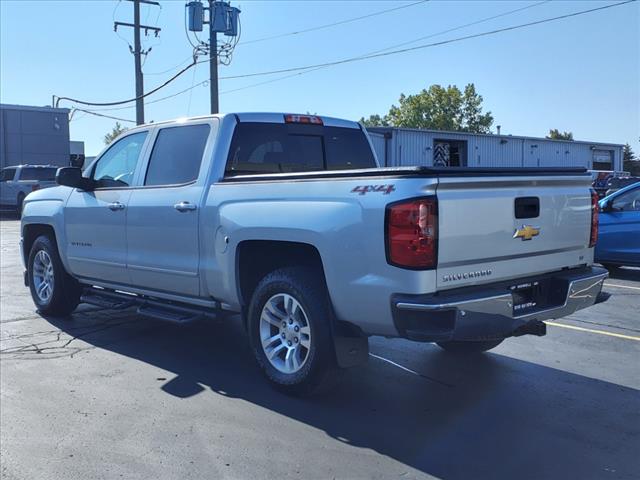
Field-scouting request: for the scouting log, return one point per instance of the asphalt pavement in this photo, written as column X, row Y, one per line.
column 109, row 394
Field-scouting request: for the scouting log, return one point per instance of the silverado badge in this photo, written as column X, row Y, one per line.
column 527, row 232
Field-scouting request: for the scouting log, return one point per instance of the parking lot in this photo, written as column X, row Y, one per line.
column 109, row 394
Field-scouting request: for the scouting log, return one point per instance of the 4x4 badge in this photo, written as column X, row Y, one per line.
column 363, row 189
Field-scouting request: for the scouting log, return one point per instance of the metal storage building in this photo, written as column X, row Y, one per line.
column 406, row 146
column 33, row 135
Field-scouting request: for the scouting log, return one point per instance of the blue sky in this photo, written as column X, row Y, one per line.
column 580, row 74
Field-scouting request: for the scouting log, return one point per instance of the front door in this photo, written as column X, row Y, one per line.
column 163, row 214
column 618, row 238
column 95, row 221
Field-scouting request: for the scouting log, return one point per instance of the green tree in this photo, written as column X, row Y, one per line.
column 630, row 163
column 555, row 134
column 375, row 121
column 115, row 131
column 627, row 153
column 438, row 108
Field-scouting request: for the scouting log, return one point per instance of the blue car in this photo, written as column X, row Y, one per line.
column 619, row 228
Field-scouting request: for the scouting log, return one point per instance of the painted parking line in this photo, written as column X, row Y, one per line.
column 620, row 286
column 590, row 330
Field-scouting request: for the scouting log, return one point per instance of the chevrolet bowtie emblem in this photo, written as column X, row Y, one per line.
column 527, row 232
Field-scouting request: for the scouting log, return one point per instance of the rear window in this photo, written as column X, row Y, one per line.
column 40, row 174
column 177, row 155
column 281, row 148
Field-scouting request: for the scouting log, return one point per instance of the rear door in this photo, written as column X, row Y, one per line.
column 498, row 228
column 163, row 214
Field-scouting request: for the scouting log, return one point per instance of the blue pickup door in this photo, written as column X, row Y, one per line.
column 619, row 228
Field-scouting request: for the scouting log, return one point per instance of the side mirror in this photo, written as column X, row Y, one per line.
column 72, row 177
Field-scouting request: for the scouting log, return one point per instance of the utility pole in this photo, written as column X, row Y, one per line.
column 138, row 52
column 223, row 18
column 213, row 60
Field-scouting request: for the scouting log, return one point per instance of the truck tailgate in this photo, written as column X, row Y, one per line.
column 482, row 240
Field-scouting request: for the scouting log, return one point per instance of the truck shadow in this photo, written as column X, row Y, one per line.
column 499, row 418
column 625, row 273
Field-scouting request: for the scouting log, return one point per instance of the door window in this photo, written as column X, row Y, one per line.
column 116, row 167
column 627, row 202
column 7, row 174
column 177, row 155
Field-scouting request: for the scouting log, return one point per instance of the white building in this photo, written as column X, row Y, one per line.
column 407, row 146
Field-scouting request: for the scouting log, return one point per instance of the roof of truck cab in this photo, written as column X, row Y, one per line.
column 259, row 117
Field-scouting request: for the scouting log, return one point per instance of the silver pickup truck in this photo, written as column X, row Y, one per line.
column 19, row 181
column 287, row 220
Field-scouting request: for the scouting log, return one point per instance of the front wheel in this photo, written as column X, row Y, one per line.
column 53, row 290
column 465, row 347
column 289, row 329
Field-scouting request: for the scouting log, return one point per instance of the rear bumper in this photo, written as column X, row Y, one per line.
column 487, row 312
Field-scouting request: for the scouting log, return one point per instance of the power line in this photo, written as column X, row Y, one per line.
column 190, row 57
column 460, row 27
column 120, row 102
column 310, row 68
column 442, row 32
column 100, row 115
column 428, row 45
column 329, row 25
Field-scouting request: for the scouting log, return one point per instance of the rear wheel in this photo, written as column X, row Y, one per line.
column 290, row 334
column 470, row 346
column 53, row 290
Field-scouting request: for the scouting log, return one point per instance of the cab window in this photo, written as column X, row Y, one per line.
column 116, row 167
column 177, row 155
column 7, row 174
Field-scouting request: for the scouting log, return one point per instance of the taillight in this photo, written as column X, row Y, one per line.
column 594, row 219
column 310, row 119
column 412, row 233
column 35, row 187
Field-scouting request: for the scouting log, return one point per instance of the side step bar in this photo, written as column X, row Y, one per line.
column 149, row 307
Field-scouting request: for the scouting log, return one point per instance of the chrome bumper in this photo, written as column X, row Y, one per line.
column 487, row 312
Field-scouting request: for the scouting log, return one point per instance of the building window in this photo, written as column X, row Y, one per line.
column 602, row 159
column 449, row 153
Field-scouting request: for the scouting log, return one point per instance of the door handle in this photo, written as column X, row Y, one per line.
column 116, row 206
column 184, row 207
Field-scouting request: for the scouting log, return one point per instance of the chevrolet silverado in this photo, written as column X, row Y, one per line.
column 289, row 221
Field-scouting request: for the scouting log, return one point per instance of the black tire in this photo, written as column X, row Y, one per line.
column 19, row 204
column 319, row 372
column 65, row 294
column 610, row 267
column 466, row 347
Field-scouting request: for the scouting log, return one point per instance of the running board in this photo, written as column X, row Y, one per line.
column 169, row 314
column 107, row 300
column 149, row 307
